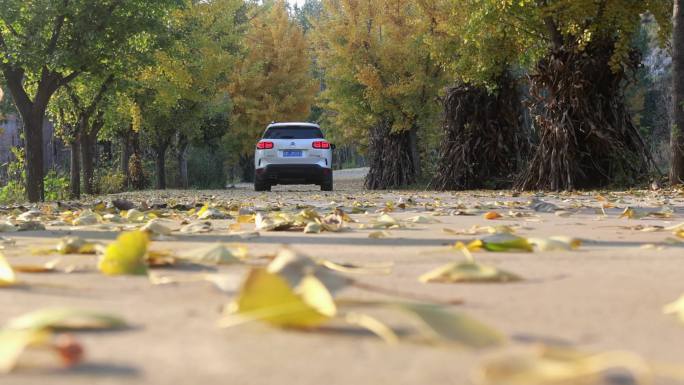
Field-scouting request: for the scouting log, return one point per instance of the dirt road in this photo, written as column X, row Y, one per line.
column 607, row 295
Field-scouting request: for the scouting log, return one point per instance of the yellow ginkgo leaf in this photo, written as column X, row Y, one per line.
column 217, row 254
column 87, row 218
column 467, row 272
column 75, row 245
column 556, row 243
column 384, row 221
column 247, row 218
column 313, row 228
column 7, row 276
column 157, row 227
column 676, row 308
column 65, row 319
column 445, row 326
column 7, row 227
column 126, row 255
column 294, row 267
column 268, row 297
column 14, row 342
column 501, row 242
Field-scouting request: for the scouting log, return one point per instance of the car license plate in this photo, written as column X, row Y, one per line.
column 292, row 153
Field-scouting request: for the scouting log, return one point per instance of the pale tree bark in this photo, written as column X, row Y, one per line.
column 677, row 132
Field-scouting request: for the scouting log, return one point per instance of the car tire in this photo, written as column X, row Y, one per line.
column 327, row 185
column 261, row 186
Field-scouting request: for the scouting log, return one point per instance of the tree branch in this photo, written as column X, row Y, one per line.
column 57, row 30
column 99, row 95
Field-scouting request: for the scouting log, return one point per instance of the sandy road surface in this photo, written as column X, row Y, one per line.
column 607, row 295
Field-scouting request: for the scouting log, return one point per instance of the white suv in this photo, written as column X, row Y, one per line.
column 293, row 153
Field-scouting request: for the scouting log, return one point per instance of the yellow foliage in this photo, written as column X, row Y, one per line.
column 274, row 79
column 377, row 65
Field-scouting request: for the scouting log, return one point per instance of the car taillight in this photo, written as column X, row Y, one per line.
column 321, row 145
column 264, row 145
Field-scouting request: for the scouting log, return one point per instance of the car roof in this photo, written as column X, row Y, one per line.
column 293, row 124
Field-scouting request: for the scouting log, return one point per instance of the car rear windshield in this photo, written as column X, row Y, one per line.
column 293, row 132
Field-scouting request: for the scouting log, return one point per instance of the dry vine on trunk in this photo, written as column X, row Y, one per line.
column 390, row 158
column 484, row 142
column 586, row 136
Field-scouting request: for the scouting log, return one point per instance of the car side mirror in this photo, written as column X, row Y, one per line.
column 332, row 146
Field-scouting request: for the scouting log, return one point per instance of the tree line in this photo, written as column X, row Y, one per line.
column 460, row 94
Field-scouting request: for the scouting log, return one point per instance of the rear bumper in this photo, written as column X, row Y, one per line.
column 293, row 174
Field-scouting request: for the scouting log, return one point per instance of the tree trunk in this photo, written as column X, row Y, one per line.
column 415, row 151
column 182, row 163
column 677, row 131
column 88, row 158
column 126, row 158
column 247, row 168
column 483, row 137
column 75, row 169
column 161, row 168
column 586, row 136
column 33, row 132
column 391, row 159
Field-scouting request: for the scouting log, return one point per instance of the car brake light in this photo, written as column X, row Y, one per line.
column 264, row 145
column 321, row 145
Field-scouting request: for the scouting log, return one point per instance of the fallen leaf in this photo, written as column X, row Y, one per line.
column 87, row 218
column 7, row 276
column 376, row 327
column 543, row 207
column 65, row 319
column 501, row 242
column 133, row 215
column 676, row 308
column 207, row 212
column 196, row 227
column 313, row 228
column 467, row 272
column 156, row 227
column 217, row 254
column 379, row 235
column 556, row 243
column 453, row 327
column 126, row 255
column 268, row 297
column 384, row 221
column 295, row 266
column 75, row 245
column 47, row 267
column 422, row 219
column 13, row 343
column 7, row 227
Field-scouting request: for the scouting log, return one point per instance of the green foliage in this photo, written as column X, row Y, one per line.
column 475, row 38
column 77, row 35
column 206, row 169
column 109, row 181
column 56, row 186
column 14, row 191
